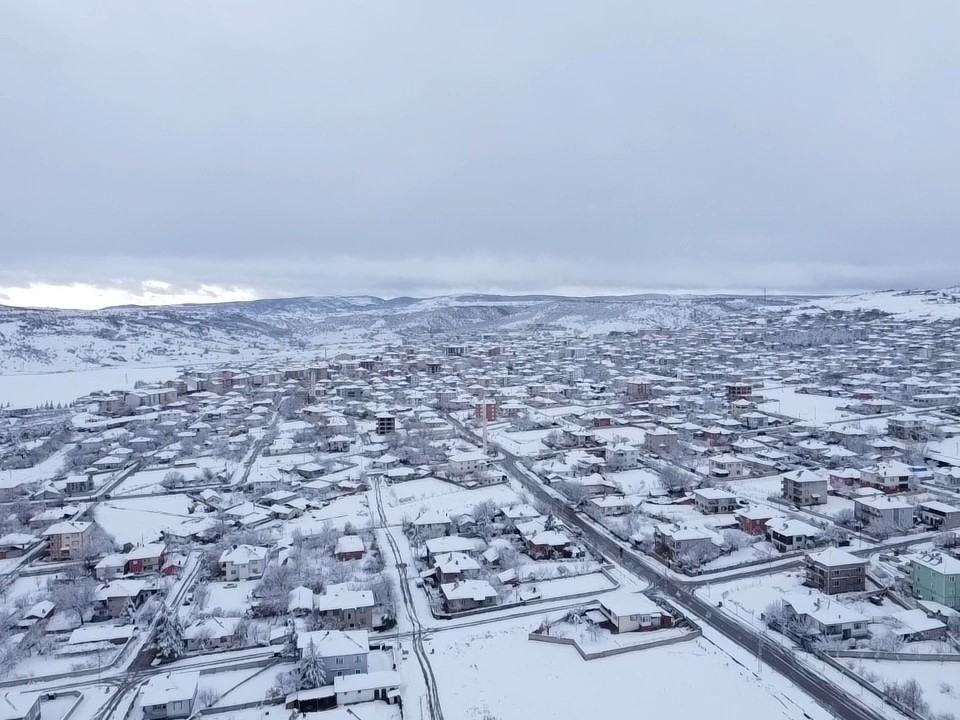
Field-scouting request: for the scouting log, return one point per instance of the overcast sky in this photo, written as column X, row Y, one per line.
column 165, row 151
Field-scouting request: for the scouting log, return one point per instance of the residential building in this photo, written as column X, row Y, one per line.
column 938, row 515
column 213, row 633
column 349, row 609
column 804, row 488
column 890, row 476
column 468, row 595
column 344, row 652
column 380, row 685
column 608, row 506
column 630, row 612
column 431, row 523
column 676, row 541
column 169, row 696
column 727, row 466
column 621, row 456
column 880, row 511
column 835, row 571
column 349, row 547
column 936, row 577
column 661, row 440
column 711, row 501
column 753, row 520
column 825, row 617
column 386, row 423
column 462, row 463
column 146, row 558
column 788, row 535
column 113, row 599
column 243, row 562
column 68, row 540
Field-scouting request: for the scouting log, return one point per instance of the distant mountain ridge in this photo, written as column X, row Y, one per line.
column 41, row 340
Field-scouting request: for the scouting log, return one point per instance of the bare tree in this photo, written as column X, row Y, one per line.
column 76, row 596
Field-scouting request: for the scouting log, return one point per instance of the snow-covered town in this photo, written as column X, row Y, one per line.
column 479, row 360
column 529, row 523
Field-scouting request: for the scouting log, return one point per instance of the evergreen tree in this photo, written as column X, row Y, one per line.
column 129, row 613
column 170, row 636
column 311, row 670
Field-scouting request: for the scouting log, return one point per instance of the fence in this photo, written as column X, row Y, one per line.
column 895, row 656
column 604, row 570
column 686, row 637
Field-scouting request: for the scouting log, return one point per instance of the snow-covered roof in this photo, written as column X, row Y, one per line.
column 147, row 552
column 938, row 562
column 332, row 643
column 16, row 705
column 477, row 590
column 623, row 604
column 212, row 627
column 455, row 562
column 349, row 544
column 714, row 494
column 822, row 609
column 343, row 600
column 171, row 687
column 367, row 681
column 67, row 527
column 835, row 557
column 915, row 621
column 243, row 554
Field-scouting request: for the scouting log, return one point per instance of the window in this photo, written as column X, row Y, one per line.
column 339, row 661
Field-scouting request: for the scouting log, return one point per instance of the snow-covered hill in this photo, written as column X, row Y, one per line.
column 927, row 305
column 34, row 340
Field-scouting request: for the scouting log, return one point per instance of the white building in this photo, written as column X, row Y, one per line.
column 462, row 463
column 243, row 562
column 171, row 695
column 881, row 510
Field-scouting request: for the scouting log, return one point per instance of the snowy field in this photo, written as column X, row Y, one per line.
column 419, row 490
column 940, row 681
column 30, row 390
column 145, row 482
column 560, row 587
column 142, row 520
column 636, row 482
column 230, row 597
column 525, row 679
column 818, row 408
column 352, row 509
column 455, row 502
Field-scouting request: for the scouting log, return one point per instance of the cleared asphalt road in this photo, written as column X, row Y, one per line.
column 830, row 696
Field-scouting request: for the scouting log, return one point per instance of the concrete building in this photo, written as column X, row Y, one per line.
column 938, row 515
column 68, row 540
column 936, row 577
column 343, row 652
column 826, row 618
column 712, row 501
column 633, row 612
column 835, row 571
column 243, row 562
column 171, row 695
column 804, row 488
column 19, row 706
column 881, row 511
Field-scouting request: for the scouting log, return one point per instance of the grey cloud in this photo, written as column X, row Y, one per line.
column 313, row 148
